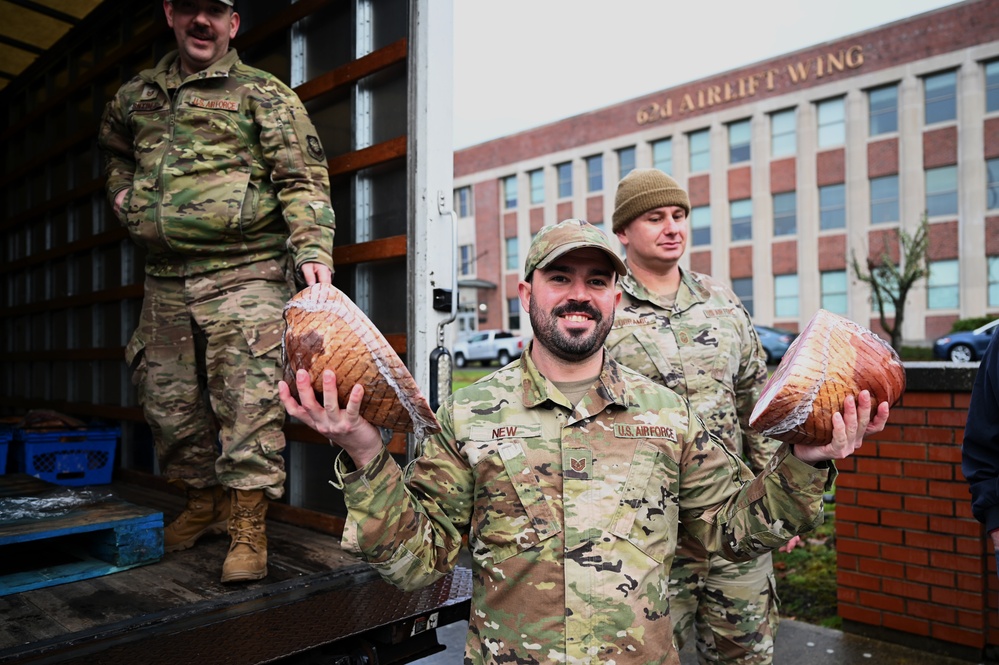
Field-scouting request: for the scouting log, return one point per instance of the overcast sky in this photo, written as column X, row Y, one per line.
column 523, row 63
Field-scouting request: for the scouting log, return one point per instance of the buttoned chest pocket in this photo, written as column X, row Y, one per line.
column 649, row 510
column 512, row 513
column 636, row 347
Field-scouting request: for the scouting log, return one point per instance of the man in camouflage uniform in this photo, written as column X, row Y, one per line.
column 218, row 174
column 690, row 333
column 569, row 474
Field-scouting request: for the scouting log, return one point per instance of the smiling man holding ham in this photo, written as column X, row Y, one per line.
column 569, row 474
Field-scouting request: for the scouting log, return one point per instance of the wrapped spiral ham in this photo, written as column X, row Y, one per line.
column 832, row 358
column 326, row 330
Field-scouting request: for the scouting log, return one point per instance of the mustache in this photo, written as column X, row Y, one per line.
column 578, row 308
column 200, row 34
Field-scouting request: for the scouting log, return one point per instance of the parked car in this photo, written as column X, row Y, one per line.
column 775, row 342
column 485, row 346
column 965, row 347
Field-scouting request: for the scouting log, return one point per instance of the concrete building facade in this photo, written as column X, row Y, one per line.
column 794, row 166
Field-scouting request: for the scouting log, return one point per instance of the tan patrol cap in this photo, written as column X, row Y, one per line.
column 552, row 242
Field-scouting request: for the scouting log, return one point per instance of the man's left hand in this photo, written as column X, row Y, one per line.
column 849, row 430
column 317, row 273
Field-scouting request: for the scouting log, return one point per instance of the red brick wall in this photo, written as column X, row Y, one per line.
column 830, row 167
column 564, row 211
column 740, row 262
column 939, row 325
column 992, row 236
column 785, row 257
column 940, row 147
column 832, row 252
column 879, row 241
column 537, row 219
column 943, row 241
column 911, row 558
column 782, row 176
column 700, row 261
column 595, row 210
column 509, row 224
column 991, row 138
column 699, row 190
column 488, row 245
column 740, row 183
column 882, row 158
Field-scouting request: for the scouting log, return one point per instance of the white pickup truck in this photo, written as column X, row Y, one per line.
column 486, row 346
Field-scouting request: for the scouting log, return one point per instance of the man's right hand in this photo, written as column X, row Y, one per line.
column 119, row 198
column 344, row 427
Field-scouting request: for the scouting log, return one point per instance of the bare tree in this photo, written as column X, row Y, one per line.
column 891, row 280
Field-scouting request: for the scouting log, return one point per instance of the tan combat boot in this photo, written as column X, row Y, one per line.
column 247, row 558
column 207, row 511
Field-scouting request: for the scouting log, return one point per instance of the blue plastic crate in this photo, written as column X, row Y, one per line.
column 6, row 434
column 67, row 457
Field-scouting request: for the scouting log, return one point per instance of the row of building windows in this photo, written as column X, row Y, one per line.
column 942, row 291
column 939, row 104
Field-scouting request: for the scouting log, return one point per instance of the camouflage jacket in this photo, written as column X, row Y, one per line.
column 212, row 163
column 705, row 348
column 571, row 514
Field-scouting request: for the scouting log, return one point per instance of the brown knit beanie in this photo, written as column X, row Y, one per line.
column 643, row 190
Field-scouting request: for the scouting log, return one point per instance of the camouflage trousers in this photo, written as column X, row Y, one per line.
column 206, row 360
column 732, row 607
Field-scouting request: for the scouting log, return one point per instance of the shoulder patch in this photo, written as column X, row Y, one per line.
column 493, row 432
column 314, row 147
column 639, row 431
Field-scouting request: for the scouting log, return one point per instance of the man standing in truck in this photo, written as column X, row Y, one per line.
column 569, row 475
column 218, row 173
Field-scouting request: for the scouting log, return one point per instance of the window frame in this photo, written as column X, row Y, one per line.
column 511, row 251
column 626, row 161
column 694, row 157
column 658, row 162
column 880, row 202
column 776, row 116
column 594, row 174
column 745, row 221
column 779, row 298
column 948, row 100
column 831, row 212
column 788, row 213
column 842, row 291
column 937, row 291
column 937, row 193
column 560, row 172
column 536, row 184
column 735, row 150
column 700, row 228
column 509, row 185
column 874, row 116
column 824, row 126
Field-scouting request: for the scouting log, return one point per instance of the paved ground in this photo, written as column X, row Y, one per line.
column 798, row 643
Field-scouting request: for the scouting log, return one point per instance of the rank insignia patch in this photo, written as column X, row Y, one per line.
column 314, row 147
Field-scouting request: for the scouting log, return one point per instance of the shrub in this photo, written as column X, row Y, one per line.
column 963, row 325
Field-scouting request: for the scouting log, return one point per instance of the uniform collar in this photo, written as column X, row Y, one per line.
column 608, row 389
column 167, row 70
column 690, row 293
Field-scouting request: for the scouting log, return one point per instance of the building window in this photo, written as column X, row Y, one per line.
column 700, row 225
column 625, row 161
column 700, row 150
column 993, row 262
column 537, row 180
column 510, row 192
column 513, row 314
column 992, row 183
column 832, row 123
column 741, row 212
column 743, row 287
column 466, row 259
column 564, row 171
column 463, row 201
column 992, row 86
column 832, row 207
column 834, row 291
column 512, row 254
column 662, row 155
column 883, row 110
column 943, row 285
column 786, row 296
column 941, row 191
column 738, row 142
column 940, row 97
column 783, row 137
column 785, row 214
column 884, row 199
column 595, row 173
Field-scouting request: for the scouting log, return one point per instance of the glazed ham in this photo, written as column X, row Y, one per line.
column 326, row 330
column 833, row 357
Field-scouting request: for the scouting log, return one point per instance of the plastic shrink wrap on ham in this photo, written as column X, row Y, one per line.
column 832, row 358
column 326, row 330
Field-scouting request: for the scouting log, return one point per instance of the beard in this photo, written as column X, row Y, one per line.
column 571, row 346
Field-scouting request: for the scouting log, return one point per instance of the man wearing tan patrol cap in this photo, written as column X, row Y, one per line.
column 217, row 172
column 568, row 474
column 689, row 332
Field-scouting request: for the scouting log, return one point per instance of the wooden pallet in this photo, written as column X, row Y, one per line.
column 85, row 542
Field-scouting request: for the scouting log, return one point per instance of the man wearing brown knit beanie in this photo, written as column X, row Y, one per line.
column 689, row 332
